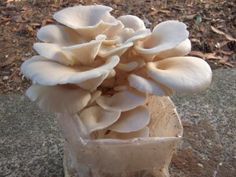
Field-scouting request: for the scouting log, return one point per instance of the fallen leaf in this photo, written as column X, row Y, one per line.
column 9, row 61
column 197, row 54
column 206, row 56
column 227, row 36
column 226, row 52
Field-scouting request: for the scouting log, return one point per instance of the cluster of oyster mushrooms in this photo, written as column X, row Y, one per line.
column 102, row 69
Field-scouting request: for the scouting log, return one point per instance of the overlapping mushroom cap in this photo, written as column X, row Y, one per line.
column 102, row 68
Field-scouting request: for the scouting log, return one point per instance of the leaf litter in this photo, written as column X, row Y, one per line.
column 212, row 26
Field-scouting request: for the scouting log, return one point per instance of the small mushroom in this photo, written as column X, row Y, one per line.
column 107, row 51
column 88, row 21
column 132, row 120
column 165, row 36
column 181, row 74
column 60, row 35
column 128, row 67
column 84, row 53
column 61, row 99
column 182, row 49
column 133, row 22
column 95, row 118
column 122, row 101
column 60, row 74
column 146, row 85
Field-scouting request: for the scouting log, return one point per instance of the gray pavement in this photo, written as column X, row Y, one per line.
column 31, row 145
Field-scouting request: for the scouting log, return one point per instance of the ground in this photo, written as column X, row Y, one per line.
column 211, row 24
column 31, row 144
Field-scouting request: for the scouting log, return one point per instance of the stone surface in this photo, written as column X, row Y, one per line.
column 31, row 145
column 209, row 120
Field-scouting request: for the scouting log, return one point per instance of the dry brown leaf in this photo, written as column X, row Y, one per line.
column 197, row 54
column 227, row 52
column 8, row 61
column 47, row 21
column 35, row 24
column 190, row 16
column 164, row 11
column 227, row 36
column 206, row 56
column 212, row 56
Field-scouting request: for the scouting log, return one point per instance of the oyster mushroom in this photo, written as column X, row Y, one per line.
column 181, row 74
column 61, row 74
column 60, row 35
column 60, row 99
column 96, row 118
column 132, row 120
column 165, row 36
column 88, row 21
column 122, row 101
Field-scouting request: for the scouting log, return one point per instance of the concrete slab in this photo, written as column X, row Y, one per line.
column 31, row 145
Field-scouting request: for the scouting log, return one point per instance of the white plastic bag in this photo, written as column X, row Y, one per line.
column 139, row 157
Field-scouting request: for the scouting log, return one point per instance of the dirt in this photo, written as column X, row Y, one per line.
column 211, row 24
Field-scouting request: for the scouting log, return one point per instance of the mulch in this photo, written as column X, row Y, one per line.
column 212, row 26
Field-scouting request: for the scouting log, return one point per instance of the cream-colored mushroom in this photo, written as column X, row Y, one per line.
column 122, row 101
column 94, row 96
column 132, row 65
column 165, row 36
column 146, row 85
column 60, row 35
column 60, row 74
column 128, row 66
column 132, row 120
column 63, row 99
column 181, row 74
column 182, row 49
column 92, row 84
column 84, row 53
column 139, row 35
column 107, row 51
column 53, row 52
column 95, row 118
column 133, row 22
column 88, row 21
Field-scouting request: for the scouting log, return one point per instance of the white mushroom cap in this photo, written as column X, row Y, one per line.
column 181, row 74
column 58, row 34
column 94, row 96
column 107, row 51
column 122, row 101
column 139, row 35
column 165, row 36
column 95, row 118
column 146, row 85
column 182, row 49
column 87, row 20
column 132, row 120
column 53, row 52
column 133, row 22
column 60, row 74
column 128, row 67
column 59, row 98
column 81, row 53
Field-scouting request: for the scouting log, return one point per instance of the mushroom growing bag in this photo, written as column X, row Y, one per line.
column 109, row 80
column 137, row 157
